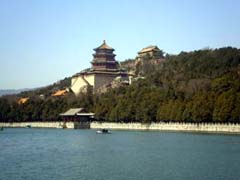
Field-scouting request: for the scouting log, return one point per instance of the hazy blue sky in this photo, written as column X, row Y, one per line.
column 43, row 41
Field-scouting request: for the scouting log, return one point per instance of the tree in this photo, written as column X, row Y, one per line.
column 224, row 107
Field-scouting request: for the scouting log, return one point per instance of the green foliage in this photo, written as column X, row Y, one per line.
column 5, row 109
column 224, row 106
column 171, row 110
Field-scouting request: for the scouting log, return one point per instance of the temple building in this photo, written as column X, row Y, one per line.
column 105, row 69
column 104, row 59
column 150, row 52
column 79, row 116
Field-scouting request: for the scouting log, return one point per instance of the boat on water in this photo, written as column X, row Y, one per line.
column 103, row 131
column 1, row 128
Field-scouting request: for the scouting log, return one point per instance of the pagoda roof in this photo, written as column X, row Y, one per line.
column 73, row 112
column 149, row 48
column 104, row 46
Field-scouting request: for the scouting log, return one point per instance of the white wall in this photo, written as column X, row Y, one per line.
column 203, row 127
column 38, row 124
column 80, row 82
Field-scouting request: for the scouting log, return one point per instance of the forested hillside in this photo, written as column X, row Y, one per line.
column 198, row 86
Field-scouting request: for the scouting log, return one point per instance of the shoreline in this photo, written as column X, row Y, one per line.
column 216, row 128
column 173, row 127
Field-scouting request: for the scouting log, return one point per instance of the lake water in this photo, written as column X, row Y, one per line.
column 57, row 154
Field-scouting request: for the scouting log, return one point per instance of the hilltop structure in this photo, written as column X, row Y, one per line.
column 150, row 52
column 105, row 69
column 148, row 55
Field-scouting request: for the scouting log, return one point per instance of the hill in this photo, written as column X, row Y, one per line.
column 197, row 86
column 11, row 91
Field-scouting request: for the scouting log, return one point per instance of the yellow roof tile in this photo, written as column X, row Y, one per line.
column 60, row 93
column 22, row 100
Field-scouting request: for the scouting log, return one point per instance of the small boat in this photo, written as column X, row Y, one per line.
column 28, row 126
column 1, row 128
column 103, row 131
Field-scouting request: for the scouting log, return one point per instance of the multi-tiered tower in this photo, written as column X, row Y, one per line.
column 104, row 59
column 103, row 72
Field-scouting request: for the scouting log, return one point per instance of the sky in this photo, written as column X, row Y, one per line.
column 43, row 41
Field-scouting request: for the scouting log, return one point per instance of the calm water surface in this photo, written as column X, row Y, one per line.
column 49, row 154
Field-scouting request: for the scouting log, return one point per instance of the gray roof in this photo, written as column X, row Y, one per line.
column 85, row 114
column 72, row 112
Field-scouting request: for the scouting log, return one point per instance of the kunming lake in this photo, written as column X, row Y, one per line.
column 44, row 154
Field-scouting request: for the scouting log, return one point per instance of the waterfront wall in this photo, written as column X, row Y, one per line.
column 56, row 124
column 186, row 127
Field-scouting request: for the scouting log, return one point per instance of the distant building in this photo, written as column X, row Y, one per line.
column 152, row 52
column 42, row 96
column 59, row 93
column 79, row 116
column 22, row 100
column 104, row 70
